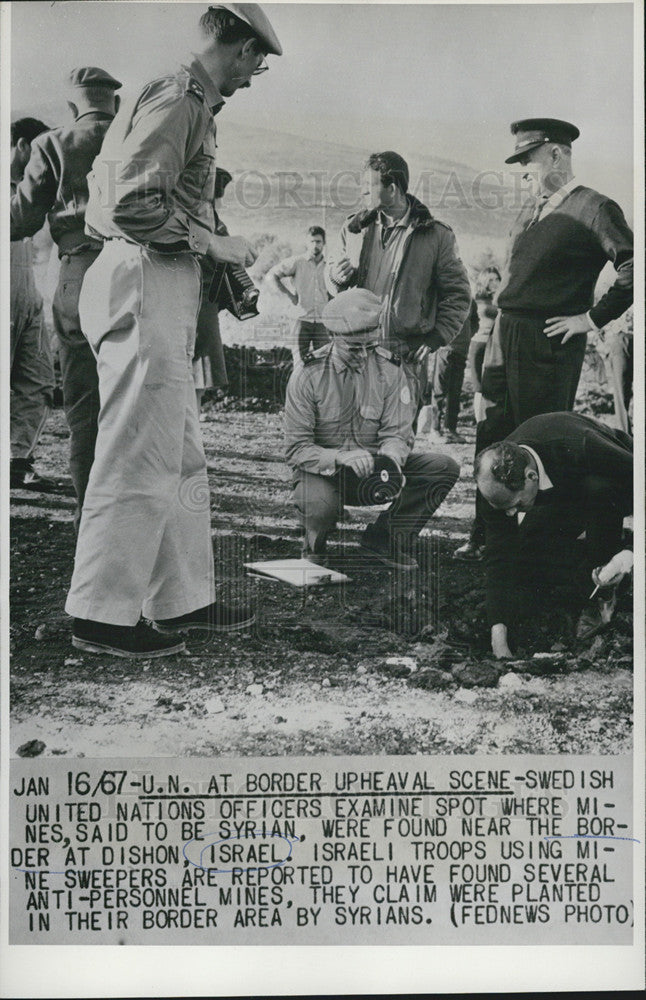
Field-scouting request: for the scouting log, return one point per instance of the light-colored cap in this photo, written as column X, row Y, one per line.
column 354, row 311
column 253, row 15
column 93, row 76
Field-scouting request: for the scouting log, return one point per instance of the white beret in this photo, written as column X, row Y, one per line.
column 352, row 311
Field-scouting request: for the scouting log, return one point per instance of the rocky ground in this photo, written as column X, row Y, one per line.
column 330, row 671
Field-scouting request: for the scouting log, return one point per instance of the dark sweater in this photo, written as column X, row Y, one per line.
column 571, row 447
column 553, row 266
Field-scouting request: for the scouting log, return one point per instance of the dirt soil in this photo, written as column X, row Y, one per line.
column 336, row 670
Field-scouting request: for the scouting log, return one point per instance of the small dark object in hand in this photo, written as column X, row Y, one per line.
column 232, row 289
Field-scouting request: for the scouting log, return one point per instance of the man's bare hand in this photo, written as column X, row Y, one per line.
column 568, row 326
column 361, row 462
column 499, row 646
column 232, row 250
column 341, row 271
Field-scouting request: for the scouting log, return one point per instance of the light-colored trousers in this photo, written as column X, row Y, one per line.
column 144, row 543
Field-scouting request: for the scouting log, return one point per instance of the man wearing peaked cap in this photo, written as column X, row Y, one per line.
column 151, row 202
column 55, row 188
column 558, row 246
column 348, row 415
column 531, row 133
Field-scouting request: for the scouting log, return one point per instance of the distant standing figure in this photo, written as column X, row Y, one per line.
column 307, row 271
column 32, row 377
column 209, row 366
column 618, row 360
column 446, row 376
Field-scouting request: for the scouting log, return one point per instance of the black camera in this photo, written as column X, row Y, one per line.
column 232, row 289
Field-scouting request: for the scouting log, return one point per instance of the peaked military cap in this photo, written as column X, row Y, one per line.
column 253, row 15
column 92, row 76
column 533, row 132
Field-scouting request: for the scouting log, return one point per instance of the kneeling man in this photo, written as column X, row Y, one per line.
column 556, row 475
column 348, row 407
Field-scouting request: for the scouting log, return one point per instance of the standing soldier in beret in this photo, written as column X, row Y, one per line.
column 558, row 246
column 54, row 187
column 349, row 409
column 144, row 545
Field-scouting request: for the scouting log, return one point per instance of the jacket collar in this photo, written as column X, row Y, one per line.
column 419, row 216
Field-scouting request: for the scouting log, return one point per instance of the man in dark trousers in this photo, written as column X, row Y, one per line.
column 54, row 187
column 410, row 260
column 553, row 477
column 558, row 246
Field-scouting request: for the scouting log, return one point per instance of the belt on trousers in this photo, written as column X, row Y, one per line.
column 169, row 248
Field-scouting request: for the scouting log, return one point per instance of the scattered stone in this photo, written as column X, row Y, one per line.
column 432, row 679
column 33, row 748
column 163, row 702
column 214, row 705
column 71, row 661
column 558, row 647
column 409, row 663
column 511, row 682
column 253, row 689
column 475, row 675
column 536, row 685
column 595, row 724
column 361, row 669
column 466, row 695
column 325, row 682
column 40, row 633
column 279, row 719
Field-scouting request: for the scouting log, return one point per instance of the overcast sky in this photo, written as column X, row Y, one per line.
column 446, row 79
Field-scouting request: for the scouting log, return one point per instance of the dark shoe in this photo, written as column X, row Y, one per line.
column 24, row 478
column 391, row 553
column 136, row 642
column 597, row 616
column 215, row 617
column 452, row 437
column 470, row 552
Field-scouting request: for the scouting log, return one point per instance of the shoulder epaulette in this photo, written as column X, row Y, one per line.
column 383, row 352
column 194, row 87
column 317, row 355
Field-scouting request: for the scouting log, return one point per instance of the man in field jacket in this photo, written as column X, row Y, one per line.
column 398, row 251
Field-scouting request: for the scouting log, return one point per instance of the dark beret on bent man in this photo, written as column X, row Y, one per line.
column 533, row 132
column 93, row 76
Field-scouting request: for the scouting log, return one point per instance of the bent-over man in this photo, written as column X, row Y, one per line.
column 553, row 477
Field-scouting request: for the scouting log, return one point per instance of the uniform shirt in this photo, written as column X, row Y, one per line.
column 54, row 185
column 319, row 423
column 386, row 253
column 154, row 180
column 308, row 276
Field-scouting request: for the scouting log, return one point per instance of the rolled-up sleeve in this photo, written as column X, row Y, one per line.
column 616, row 239
column 301, row 450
